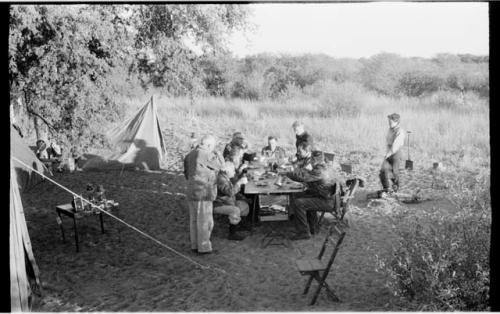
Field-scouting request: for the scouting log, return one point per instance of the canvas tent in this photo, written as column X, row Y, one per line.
column 19, row 149
column 24, row 274
column 137, row 142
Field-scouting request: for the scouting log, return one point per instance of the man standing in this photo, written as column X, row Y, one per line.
column 390, row 166
column 301, row 136
column 322, row 191
column 200, row 169
column 227, row 202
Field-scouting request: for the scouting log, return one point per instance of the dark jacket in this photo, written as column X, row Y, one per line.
column 226, row 190
column 200, row 169
column 304, row 137
column 319, row 183
column 232, row 146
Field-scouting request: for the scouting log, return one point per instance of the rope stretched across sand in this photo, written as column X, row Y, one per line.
column 120, row 220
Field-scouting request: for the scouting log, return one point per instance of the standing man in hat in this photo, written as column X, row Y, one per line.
column 392, row 159
column 201, row 166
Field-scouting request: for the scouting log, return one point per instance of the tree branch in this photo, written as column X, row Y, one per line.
column 30, row 111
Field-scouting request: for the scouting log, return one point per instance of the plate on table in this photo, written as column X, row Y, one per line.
column 295, row 185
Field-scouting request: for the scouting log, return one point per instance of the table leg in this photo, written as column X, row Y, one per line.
column 61, row 226
column 76, row 235
column 102, row 222
column 254, row 211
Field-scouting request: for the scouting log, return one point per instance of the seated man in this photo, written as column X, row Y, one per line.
column 322, row 192
column 41, row 150
column 54, row 151
column 238, row 142
column 235, row 155
column 226, row 202
column 272, row 150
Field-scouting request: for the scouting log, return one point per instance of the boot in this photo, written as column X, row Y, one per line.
column 233, row 235
column 244, row 225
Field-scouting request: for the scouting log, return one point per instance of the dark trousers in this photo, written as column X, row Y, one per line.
column 306, row 216
column 390, row 171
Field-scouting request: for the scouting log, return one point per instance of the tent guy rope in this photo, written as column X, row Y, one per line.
column 120, row 220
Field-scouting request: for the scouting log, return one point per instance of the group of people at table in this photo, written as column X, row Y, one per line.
column 215, row 181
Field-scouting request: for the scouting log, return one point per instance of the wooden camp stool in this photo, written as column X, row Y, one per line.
column 318, row 268
column 67, row 210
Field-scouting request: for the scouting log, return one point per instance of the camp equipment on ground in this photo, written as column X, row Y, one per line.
column 409, row 162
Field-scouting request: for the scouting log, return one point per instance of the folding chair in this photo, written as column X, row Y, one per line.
column 341, row 202
column 329, row 157
column 318, row 269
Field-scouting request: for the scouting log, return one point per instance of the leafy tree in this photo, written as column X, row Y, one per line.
column 59, row 61
column 382, row 73
column 169, row 35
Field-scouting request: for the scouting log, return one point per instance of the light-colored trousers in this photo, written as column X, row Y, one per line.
column 234, row 213
column 201, row 223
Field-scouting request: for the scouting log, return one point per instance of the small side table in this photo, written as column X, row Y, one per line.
column 67, row 210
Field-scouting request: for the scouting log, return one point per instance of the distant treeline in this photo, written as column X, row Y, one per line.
column 68, row 65
column 272, row 76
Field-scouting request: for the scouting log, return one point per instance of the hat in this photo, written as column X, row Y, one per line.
column 394, row 117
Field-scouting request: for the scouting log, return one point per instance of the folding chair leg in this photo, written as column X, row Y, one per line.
column 309, row 281
column 321, row 284
column 330, row 292
column 318, row 224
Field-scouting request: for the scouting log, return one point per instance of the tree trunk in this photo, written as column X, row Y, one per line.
column 37, row 127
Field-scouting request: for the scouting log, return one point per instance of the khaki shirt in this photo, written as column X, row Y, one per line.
column 395, row 139
column 278, row 152
column 200, row 169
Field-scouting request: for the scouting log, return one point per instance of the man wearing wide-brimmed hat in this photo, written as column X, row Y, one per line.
column 392, row 159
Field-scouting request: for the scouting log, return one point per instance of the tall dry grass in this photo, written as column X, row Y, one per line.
column 438, row 130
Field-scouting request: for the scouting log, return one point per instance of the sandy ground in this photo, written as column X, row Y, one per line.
column 123, row 271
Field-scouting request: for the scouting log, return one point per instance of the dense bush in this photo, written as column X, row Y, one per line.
column 417, row 82
column 344, row 99
column 442, row 261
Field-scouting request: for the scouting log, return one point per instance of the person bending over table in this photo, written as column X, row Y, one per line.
column 229, row 201
column 301, row 136
column 310, row 169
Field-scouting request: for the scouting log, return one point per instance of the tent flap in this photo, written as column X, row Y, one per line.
column 137, row 142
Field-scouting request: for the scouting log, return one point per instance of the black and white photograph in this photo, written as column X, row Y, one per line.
column 249, row 157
